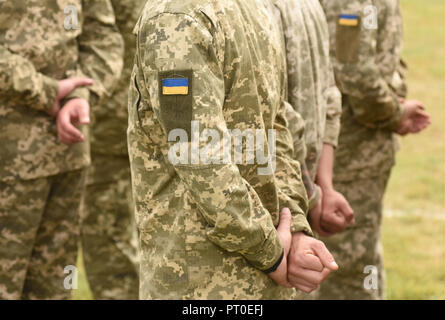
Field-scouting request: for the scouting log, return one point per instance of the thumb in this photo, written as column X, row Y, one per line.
column 285, row 221
column 325, row 256
column 81, row 82
column 347, row 211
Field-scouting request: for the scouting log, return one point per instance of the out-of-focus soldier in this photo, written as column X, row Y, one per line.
column 366, row 44
column 42, row 180
column 312, row 93
column 215, row 70
column 108, row 231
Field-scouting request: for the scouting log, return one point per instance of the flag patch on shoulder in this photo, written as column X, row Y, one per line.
column 350, row 20
column 175, row 86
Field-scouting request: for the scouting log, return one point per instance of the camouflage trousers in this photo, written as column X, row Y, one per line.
column 108, row 231
column 39, row 229
column 358, row 250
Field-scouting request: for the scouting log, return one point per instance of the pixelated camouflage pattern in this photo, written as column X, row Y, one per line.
column 35, row 52
column 108, row 231
column 359, row 246
column 109, row 235
column 39, row 229
column 206, row 231
column 368, row 79
column 110, row 121
column 371, row 77
column 312, row 90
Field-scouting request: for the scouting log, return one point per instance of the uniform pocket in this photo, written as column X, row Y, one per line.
column 348, row 41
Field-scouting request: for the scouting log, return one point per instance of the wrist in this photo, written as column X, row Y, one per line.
column 326, row 187
column 297, row 235
column 276, row 265
column 324, row 181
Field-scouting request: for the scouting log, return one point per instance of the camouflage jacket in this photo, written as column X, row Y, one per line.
column 312, row 90
column 42, row 42
column 208, row 228
column 366, row 44
column 110, row 121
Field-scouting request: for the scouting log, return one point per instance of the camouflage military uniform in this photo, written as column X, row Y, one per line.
column 109, row 239
column 314, row 107
column 312, row 90
column 42, row 180
column 366, row 61
column 208, row 229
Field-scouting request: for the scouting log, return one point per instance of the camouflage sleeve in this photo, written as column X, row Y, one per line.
column 333, row 113
column 20, row 81
column 291, row 190
column 295, row 124
column 399, row 80
column 101, row 51
column 180, row 50
column 373, row 102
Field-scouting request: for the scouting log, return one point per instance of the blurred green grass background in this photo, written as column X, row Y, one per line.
column 414, row 223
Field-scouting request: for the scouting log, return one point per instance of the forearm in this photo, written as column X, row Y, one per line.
column 325, row 168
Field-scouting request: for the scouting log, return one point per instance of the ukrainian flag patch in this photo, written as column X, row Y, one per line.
column 175, row 86
column 350, row 20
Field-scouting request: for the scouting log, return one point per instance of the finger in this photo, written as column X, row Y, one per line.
column 325, row 256
column 66, row 139
column 81, row 82
column 83, row 113
column 325, row 233
column 71, row 133
column 305, row 289
column 312, row 277
column 285, row 221
column 325, row 273
column 311, row 262
column 421, row 116
column 347, row 211
column 334, row 222
column 296, row 281
column 419, row 125
column 62, row 135
column 419, row 104
column 65, row 127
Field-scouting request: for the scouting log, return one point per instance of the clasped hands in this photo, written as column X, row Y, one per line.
column 306, row 262
column 332, row 214
column 75, row 112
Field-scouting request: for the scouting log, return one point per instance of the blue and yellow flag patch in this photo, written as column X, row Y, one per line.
column 350, row 20
column 175, row 86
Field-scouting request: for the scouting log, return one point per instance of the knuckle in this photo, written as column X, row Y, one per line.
column 318, row 244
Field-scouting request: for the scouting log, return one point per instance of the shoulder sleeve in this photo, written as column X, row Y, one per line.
column 20, row 81
column 371, row 98
column 181, row 64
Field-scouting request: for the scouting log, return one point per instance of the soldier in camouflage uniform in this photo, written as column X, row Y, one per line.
column 108, row 231
column 41, row 179
column 314, row 95
column 207, row 229
column 366, row 42
column 312, row 89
